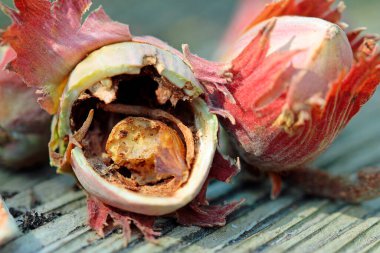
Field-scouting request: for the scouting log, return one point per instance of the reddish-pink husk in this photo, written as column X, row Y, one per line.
column 271, row 136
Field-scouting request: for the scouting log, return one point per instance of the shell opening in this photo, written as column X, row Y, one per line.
column 141, row 136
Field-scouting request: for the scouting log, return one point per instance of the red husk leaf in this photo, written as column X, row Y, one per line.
column 50, row 40
column 213, row 75
column 205, row 215
column 222, row 169
column 199, row 212
column 101, row 216
column 206, row 71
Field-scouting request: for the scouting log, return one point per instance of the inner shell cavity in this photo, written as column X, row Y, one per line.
column 141, row 137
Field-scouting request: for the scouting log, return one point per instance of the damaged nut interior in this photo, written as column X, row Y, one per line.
column 140, row 136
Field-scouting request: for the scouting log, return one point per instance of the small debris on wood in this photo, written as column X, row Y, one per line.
column 32, row 219
column 15, row 212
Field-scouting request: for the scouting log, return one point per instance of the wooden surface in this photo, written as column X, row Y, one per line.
column 292, row 223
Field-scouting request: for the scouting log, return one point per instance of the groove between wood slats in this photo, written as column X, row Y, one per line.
column 374, row 249
column 321, row 236
column 302, row 229
column 257, row 240
column 22, row 182
column 364, row 241
column 256, row 244
column 349, row 234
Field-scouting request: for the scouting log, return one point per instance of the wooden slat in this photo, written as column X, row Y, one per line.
column 348, row 235
column 331, row 231
column 293, row 217
column 364, row 241
column 238, row 228
column 292, row 223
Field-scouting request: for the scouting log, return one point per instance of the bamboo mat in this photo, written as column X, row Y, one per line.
column 292, row 223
